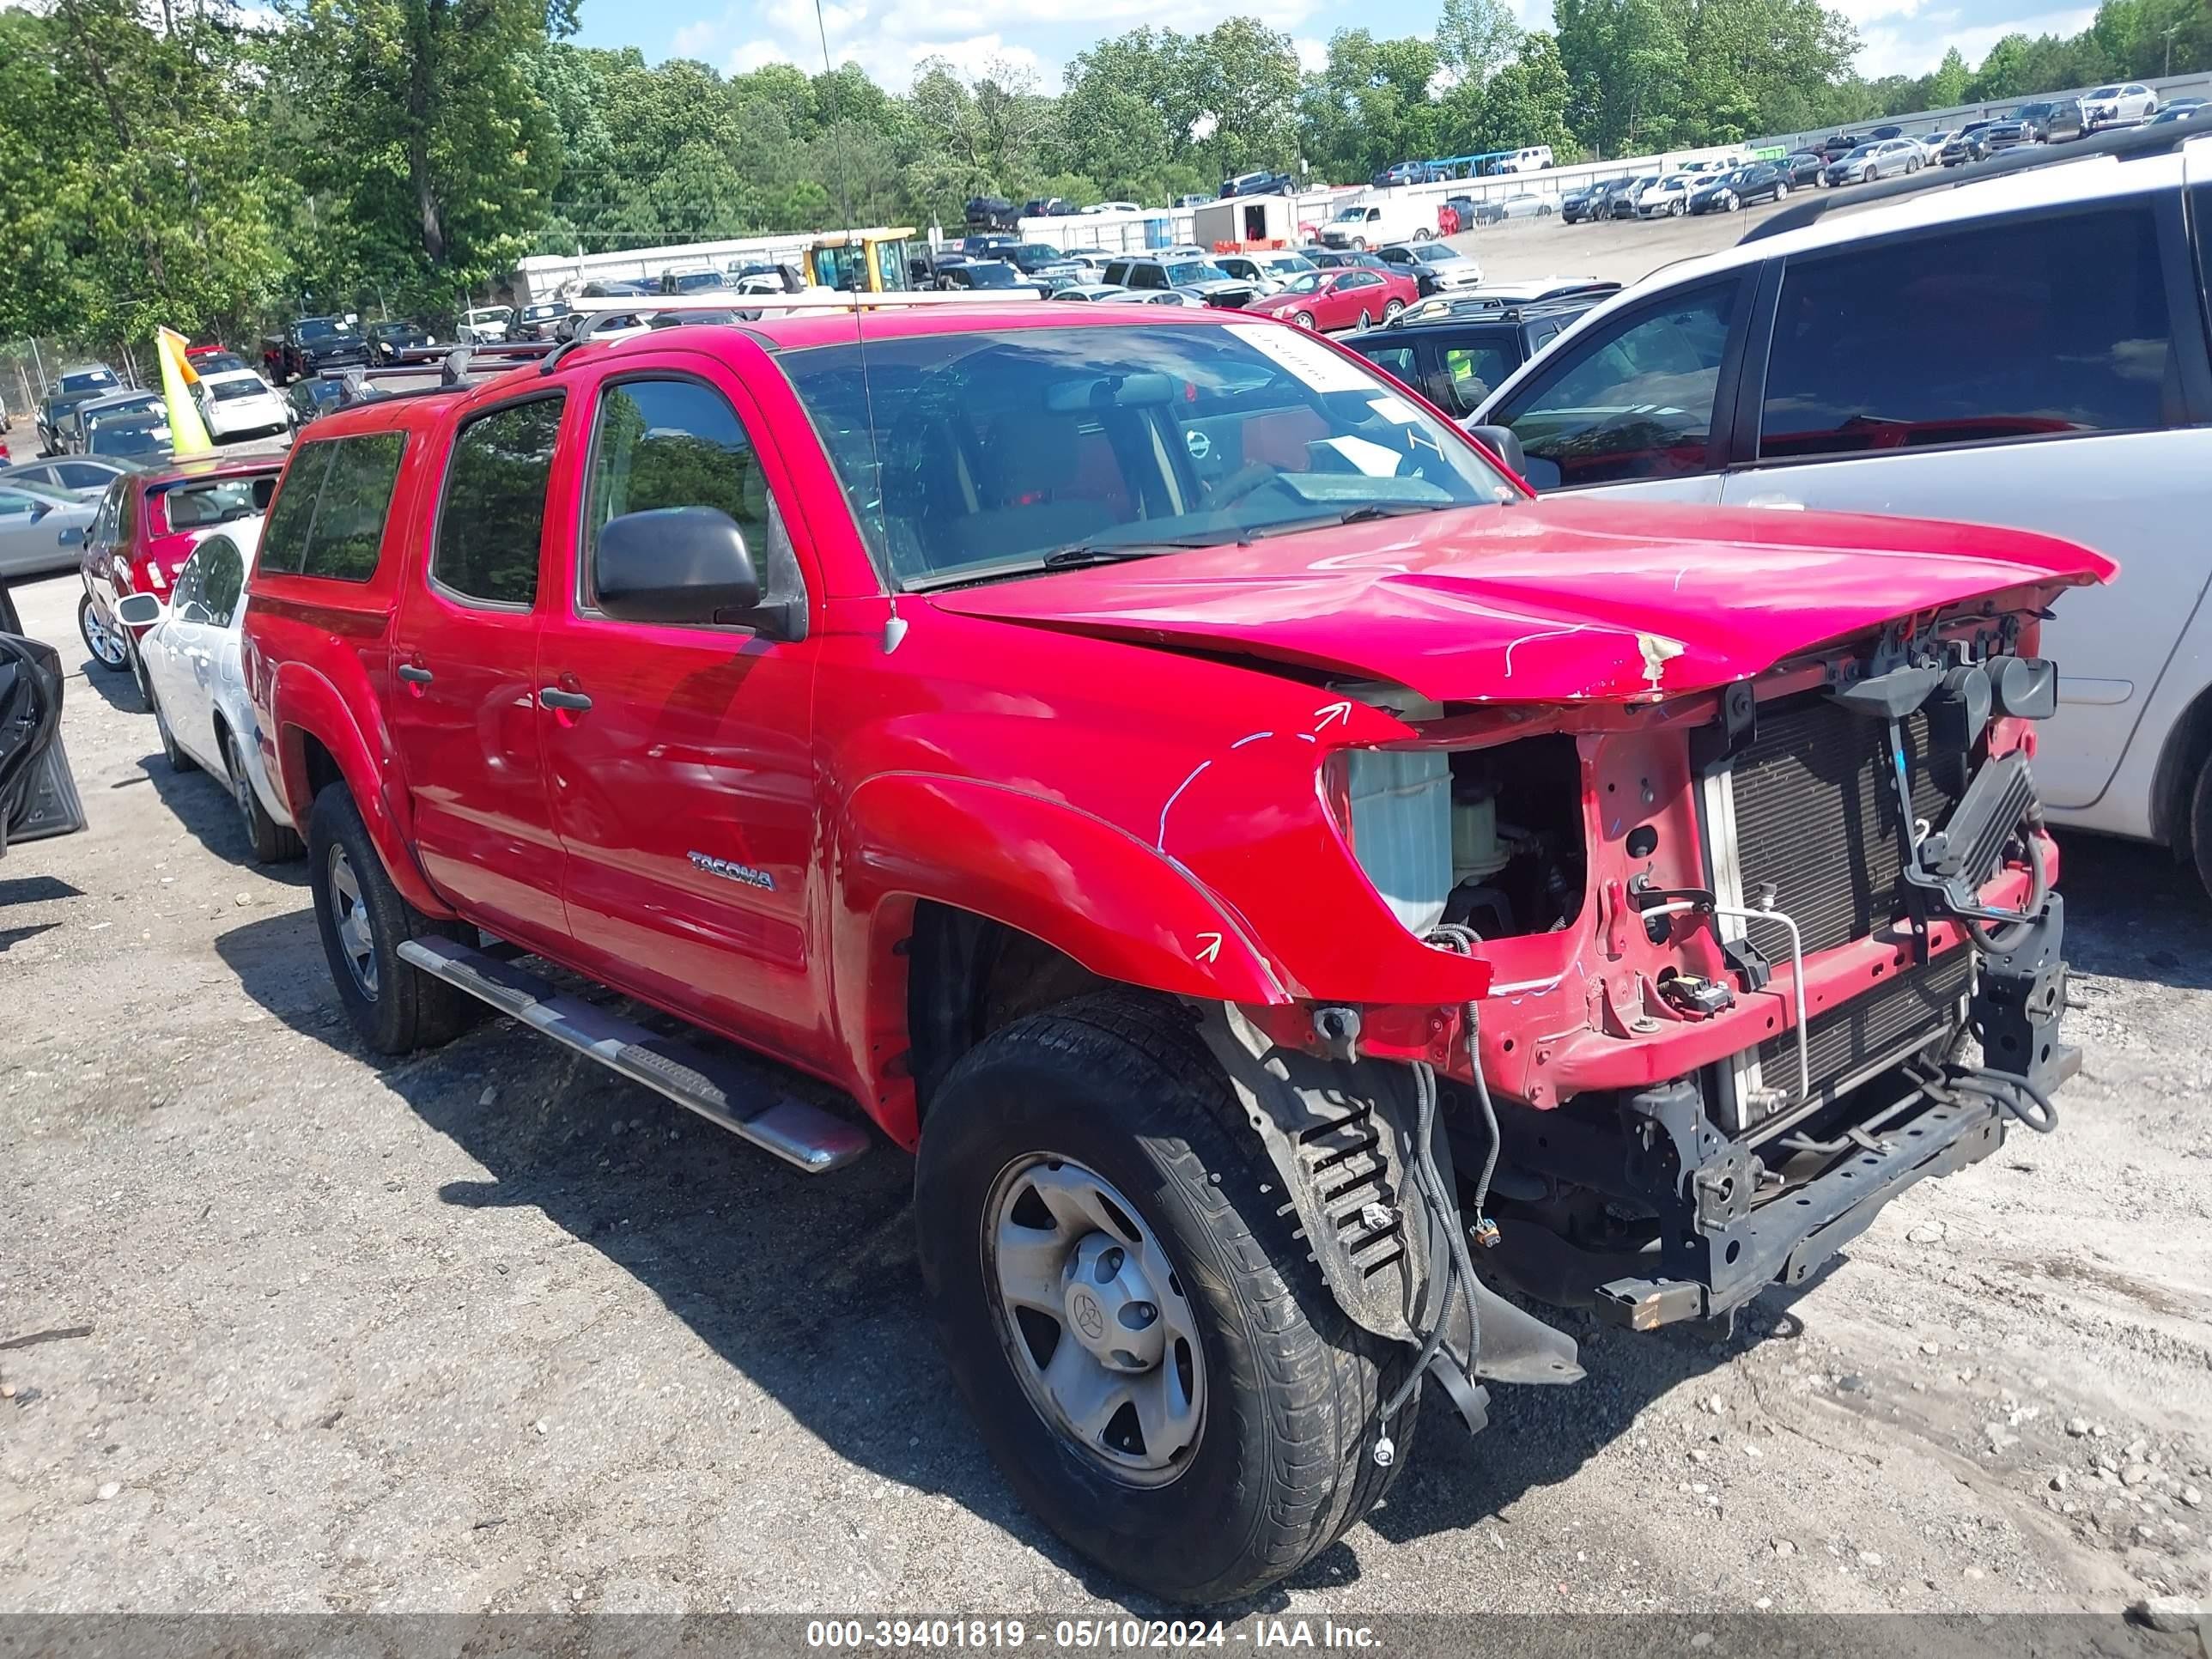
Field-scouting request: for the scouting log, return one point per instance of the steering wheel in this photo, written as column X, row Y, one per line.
column 1240, row 484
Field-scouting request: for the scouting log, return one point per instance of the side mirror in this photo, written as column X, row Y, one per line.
column 1501, row 442
column 139, row 609
column 685, row 564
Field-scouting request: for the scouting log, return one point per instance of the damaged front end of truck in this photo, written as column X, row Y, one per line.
column 1757, row 923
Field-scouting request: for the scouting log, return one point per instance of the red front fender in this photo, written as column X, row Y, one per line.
column 1118, row 908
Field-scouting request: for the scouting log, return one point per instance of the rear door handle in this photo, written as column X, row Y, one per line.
column 415, row 676
column 552, row 696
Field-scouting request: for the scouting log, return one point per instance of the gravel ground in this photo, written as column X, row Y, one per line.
column 286, row 1328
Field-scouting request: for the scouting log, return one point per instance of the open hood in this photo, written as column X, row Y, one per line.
column 1545, row 602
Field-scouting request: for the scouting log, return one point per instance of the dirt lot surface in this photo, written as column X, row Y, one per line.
column 283, row 1328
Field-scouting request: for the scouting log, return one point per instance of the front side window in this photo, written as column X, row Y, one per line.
column 678, row 443
column 493, row 517
column 1634, row 400
column 1475, row 371
column 977, row 454
column 1983, row 332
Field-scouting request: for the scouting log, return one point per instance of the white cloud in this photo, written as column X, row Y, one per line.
column 1313, row 55
column 1898, row 40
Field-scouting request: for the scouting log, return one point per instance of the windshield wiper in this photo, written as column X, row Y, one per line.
column 1366, row 513
column 1074, row 556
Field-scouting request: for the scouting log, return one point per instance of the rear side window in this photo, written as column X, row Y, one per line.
column 328, row 518
column 1982, row 333
column 284, row 537
column 357, row 497
column 493, row 516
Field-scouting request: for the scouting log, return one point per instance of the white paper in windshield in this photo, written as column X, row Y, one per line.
column 1376, row 461
column 1305, row 357
column 1396, row 409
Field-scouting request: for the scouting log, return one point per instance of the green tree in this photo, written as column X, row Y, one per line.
column 1476, row 37
column 1370, row 106
column 1526, row 102
column 428, row 126
column 1241, row 81
column 1626, row 64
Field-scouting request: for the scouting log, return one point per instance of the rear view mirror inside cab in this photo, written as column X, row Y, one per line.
column 1140, row 391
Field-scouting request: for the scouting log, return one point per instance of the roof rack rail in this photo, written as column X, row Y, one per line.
column 821, row 299
column 2125, row 143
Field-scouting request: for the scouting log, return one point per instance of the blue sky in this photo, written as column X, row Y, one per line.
column 888, row 37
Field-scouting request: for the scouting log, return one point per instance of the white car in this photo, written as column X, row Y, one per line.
column 2116, row 105
column 1269, row 273
column 1933, row 143
column 1926, row 355
column 486, row 325
column 237, row 402
column 1668, row 196
column 190, row 657
column 1114, row 207
column 1435, row 267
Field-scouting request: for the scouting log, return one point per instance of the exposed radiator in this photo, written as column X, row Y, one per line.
column 1874, row 1026
column 1816, row 815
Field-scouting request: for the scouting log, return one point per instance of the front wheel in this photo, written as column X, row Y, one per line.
column 1131, row 1314
column 1674, row 208
column 1359, row 244
column 1423, row 234
column 1303, row 319
column 2200, row 824
column 172, row 751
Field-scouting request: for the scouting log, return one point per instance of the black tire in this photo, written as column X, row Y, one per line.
column 1284, row 1463
column 401, row 1008
column 171, row 751
column 110, row 647
column 270, row 841
column 2200, row 824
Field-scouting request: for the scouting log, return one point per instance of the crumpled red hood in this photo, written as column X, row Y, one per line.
column 1546, row 601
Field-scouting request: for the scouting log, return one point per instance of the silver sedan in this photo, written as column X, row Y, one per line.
column 40, row 533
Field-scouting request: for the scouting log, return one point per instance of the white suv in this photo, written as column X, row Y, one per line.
column 1941, row 355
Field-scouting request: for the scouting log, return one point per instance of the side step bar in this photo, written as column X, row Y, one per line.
column 728, row 1095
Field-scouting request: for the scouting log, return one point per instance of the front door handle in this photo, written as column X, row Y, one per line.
column 552, row 696
column 414, row 675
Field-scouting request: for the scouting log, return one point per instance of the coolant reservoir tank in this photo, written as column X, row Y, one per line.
column 1476, row 854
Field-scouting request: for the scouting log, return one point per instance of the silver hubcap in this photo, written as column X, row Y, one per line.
column 106, row 646
column 242, row 787
column 1094, row 1319
column 355, row 937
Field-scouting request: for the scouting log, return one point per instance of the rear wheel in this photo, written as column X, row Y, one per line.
column 1781, row 190
column 2200, row 824
column 272, row 843
column 1359, row 244
column 395, row 1007
column 106, row 644
column 1133, row 1319
column 1391, row 308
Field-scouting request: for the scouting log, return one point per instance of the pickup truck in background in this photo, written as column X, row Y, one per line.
column 1282, row 881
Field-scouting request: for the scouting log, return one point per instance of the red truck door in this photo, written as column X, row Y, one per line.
column 681, row 773
column 465, row 719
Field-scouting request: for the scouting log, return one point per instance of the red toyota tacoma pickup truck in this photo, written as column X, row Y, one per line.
column 1282, row 881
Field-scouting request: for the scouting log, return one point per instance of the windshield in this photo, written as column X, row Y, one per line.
column 1035, row 253
column 991, row 276
column 317, row 328
column 145, row 435
column 138, row 406
column 1290, row 262
column 2101, row 92
column 90, row 380
column 1862, row 150
column 1350, row 215
column 998, row 450
column 1195, row 270
column 1312, row 283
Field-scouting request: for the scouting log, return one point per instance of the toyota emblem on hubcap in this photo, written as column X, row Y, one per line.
column 1089, row 1317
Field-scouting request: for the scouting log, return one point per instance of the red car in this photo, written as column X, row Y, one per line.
column 1243, row 843
column 1353, row 297
column 145, row 532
